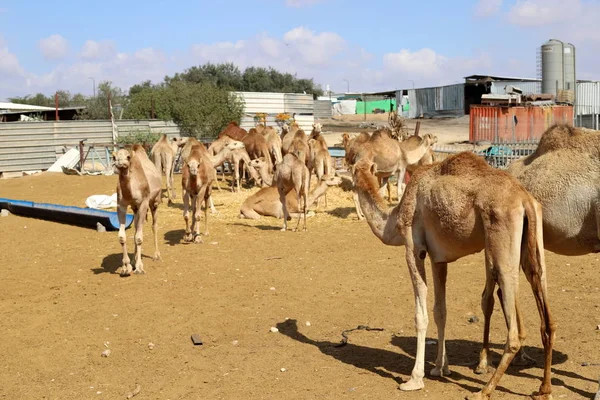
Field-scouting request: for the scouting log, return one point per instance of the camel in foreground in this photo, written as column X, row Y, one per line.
column 163, row 153
column 563, row 176
column 140, row 187
column 448, row 212
column 291, row 173
column 266, row 201
column 197, row 179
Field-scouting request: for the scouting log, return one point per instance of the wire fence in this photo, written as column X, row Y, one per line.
column 497, row 155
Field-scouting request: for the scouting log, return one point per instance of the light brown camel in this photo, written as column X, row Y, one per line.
column 291, row 173
column 287, row 136
column 266, row 201
column 234, row 131
column 140, row 187
column 262, row 168
column 416, row 151
column 233, row 159
column 256, row 146
column 163, row 154
column 563, row 175
column 198, row 174
column 273, row 141
column 448, row 212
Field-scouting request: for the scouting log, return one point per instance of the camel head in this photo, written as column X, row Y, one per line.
column 332, row 180
column 317, row 127
column 234, row 145
column 364, row 166
column 121, row 159
column 430, row 139
column 285, row 128
column 193, row 166
column 258, row 162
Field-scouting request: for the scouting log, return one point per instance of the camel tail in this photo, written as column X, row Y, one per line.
column 534, row 267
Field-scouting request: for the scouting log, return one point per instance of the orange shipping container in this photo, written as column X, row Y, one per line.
column 515, row 124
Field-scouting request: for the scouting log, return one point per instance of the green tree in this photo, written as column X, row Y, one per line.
column 203, row 110
column 97, row 107
column 141, row 99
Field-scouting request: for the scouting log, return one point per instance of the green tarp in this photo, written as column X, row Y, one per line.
column 371, row 105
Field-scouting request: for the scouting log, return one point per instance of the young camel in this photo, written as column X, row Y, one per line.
column 292, row 174
column 140, row 187
column 562, row 175
column 163, row 154
column 266, row 201
column 198, row 176
column 448, row 212
column 261, row 167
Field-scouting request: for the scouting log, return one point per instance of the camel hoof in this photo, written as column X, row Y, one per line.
column 126, row 270
column 139, row 271
column 188, row 237
column 476, row 396
column 411, row 385
column 481, row 369
column 157, row 257
column 440, row 371
column 198, row 239
column 205, row 233
column 538, row 396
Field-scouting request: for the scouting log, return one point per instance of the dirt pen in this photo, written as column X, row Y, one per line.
column 63, row 305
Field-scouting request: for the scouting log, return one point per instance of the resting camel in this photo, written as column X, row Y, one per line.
column 163, row 153
column 563, row 176
column 140, row 187
column 287, row 136
column 266, row 201
column 273, row 141
column 292, row 174
column 448, row 212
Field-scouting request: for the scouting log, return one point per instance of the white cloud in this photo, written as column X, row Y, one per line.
column 538, row 13
column 485, row 8
column 9, row 63
column 102, row 50
column 54, row 47
column 302, row 3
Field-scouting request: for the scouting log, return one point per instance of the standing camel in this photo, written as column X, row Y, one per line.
column 563, row 175
column 139, row 187
column 273, row 141
column 448, row 212
column 291, row 173
column 288, row 133
column 163, row 154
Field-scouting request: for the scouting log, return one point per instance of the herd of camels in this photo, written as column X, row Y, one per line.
column 448, row 210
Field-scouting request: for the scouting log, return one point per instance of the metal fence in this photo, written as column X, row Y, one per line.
column 498, row 155
column 323, row 109
column 437, row 101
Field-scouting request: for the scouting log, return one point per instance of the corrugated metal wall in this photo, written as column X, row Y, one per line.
column 322, row 109
column 526, row 87
column 437, row 101
column 305, row 122
column 587, row 104
column 298, row 103
column 28, row 146
column 275, row 103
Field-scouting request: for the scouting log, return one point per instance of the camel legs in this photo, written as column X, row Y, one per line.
column 401, row 184
column 440, row 272
column 126, row 267
column 206, row 215
column 196, row 209
column 359, row 212
column 416, row 267
column 282, row 195
column 487, row 306
column 139, row 237
column 169, row 175
column 186, row 216
column 153, row 210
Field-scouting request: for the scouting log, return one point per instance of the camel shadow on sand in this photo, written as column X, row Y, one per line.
column 112, row 263
column 389, row 364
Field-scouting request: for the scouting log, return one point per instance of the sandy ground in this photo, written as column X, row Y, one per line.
column 62, row 304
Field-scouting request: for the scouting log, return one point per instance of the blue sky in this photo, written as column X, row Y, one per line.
column 376, row 46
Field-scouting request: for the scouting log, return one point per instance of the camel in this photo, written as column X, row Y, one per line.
column 292, row 173
column 273, row 141
column 261, row 167
column 234, row 131
column 235, row 158
column 197, row 177
column 321, row 161
column 562, row 175
column 140, row 187
column 287, row 136
column 256, row 146
column 392, row 157
column 266, row 201
column 163, row 154
column 448, row 212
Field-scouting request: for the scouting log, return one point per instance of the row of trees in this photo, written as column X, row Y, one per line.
column 199, row 99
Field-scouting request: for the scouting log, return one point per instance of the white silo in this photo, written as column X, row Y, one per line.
column 569, row 67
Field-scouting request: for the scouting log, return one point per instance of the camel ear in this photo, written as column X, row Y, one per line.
column 373, row 168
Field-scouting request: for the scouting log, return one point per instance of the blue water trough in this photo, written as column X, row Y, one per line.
column 85, row 217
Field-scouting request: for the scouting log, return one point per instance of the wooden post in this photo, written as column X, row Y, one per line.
column 417, row 128
column 56, row 105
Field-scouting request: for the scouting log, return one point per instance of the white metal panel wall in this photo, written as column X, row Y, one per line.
column 305, row 122
column 498, row 87
column 587, row 101
column 257, row 102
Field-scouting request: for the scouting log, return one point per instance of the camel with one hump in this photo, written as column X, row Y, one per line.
column 292, row 174
column 163, row 154
column 273, row 141
column 448, row 212
column 140, row 187
column 563, row 175
column 238, row 157
column 197, row 177
column 266, row 201
column 288, row 133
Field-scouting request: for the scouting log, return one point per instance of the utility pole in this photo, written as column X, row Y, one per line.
column 94, row 82
column 347, row 85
